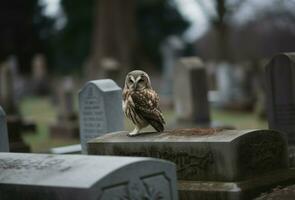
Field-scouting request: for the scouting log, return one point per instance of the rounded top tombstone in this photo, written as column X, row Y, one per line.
column 100, row 108
column 280, row 90
column 104, row 85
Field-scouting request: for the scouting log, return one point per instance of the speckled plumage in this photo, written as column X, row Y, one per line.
column 141, row 102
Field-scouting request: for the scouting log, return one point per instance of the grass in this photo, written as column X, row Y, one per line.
column 44, row 114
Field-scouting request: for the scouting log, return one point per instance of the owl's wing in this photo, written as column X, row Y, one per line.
column 146, row 104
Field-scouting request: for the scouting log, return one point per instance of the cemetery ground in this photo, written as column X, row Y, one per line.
column 43, row 112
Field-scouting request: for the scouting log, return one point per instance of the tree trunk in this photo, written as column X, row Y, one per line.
column 113, row 38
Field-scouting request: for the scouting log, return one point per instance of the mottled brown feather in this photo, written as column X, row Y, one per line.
column 147, row 107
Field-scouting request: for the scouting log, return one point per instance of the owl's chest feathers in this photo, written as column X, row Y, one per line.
column 130, row 112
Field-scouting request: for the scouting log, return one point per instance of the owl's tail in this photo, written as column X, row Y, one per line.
column 157, row 125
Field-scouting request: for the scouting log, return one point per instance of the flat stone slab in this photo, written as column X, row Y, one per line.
column 242, row 190
column 203, row 154
column 73, row 177
column 278, row 193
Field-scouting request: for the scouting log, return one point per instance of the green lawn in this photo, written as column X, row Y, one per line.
column 41, row 111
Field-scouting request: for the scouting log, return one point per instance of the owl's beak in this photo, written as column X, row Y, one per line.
column 135, row 85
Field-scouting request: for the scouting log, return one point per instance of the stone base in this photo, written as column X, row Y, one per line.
column 203, row 154
column 211, row 163
column 64, row 130
column 244, row 190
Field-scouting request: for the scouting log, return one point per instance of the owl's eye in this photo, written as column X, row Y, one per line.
column 140, row 80
column 131, row 81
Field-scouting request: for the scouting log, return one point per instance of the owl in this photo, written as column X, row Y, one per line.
column 141, row 102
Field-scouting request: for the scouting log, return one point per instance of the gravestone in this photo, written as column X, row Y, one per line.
column 4, row 143
column 15, row 124
column 110, row 68
column 7, row 88
column 76, row 177
column 234, row 84
column 100, row 104
column 280, row 90
column 190, row 91
column 215, row 163
column 40, row 81
column 67, row 124
column 171, row 50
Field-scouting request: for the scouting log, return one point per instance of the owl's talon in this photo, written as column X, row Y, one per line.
column 134, row 132
column 132, row 135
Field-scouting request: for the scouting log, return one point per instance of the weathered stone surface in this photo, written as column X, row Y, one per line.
column 286, row 193
column 4, row 143
column 211, row 163
column 242, row 190
column 76, row 177
column 190, row 91
column 100, row 104
column 280, row 77
column 203, row 154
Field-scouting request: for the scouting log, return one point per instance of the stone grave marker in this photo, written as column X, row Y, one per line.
column 210, row 162
column 40, row 79
column 171, row 50
column 76, row 177
column 4, row 143
column 7, row 89
column 280, row 90
column 190, row 91
column 15, row 124
column 67, row 124
column 100, row 104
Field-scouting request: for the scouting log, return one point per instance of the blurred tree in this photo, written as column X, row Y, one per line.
column 133, row 32
column 267, row 30
column 70, row 44
column 156, row 21
column 113, row 36
column 220, row 20
column 127, row 31
column 20, row 23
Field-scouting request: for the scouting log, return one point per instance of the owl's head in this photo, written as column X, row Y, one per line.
column 137, row 80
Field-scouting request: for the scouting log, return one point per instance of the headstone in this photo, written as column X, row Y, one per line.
column 67, row 124
column 15, row 124
column 171, row 50
column 39, row 76
column 7, row 99
column 111, row 68
column 190, row 91
column 4, row 143
column 76, row 177
column 280, row 90
column 238, row 164
column 100, row 104
column 234, row 83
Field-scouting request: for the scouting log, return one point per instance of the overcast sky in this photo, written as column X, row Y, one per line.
column 192, row 10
